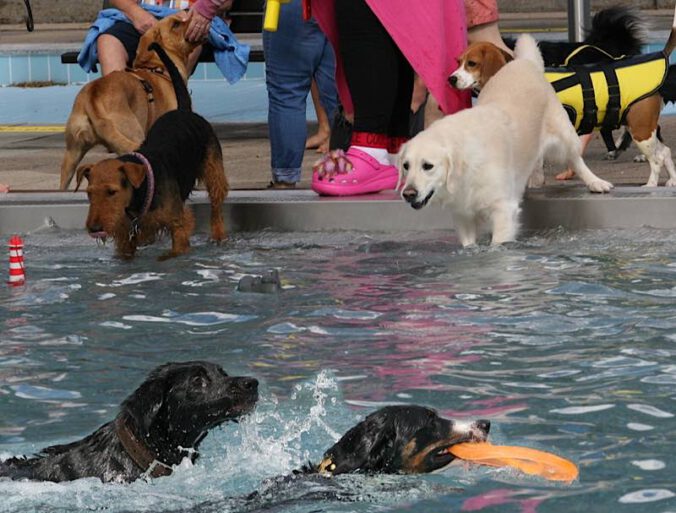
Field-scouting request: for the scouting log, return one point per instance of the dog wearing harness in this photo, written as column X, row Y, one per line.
column 139, row 195
column 597, row 96
column 118, row 109
column 621, row 92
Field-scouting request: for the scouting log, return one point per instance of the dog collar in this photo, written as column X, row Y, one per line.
column 139, row 452
column 326, row 466
column 150, row 178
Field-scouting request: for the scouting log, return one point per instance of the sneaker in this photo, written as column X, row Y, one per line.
column 365, row 175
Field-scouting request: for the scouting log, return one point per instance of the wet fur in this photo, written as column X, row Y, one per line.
column 402, row 439
column 169, row 410
column 398, row 439
column 182, row 148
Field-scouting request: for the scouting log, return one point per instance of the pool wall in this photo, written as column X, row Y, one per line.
column 569, row 207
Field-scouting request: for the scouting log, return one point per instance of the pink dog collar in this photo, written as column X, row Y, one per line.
column 150, row 177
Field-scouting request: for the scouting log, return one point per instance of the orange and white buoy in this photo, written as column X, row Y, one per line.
column 17, row 272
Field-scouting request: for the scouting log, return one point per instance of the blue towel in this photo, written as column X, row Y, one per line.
column 231, row 56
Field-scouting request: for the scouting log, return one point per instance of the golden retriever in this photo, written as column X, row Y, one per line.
column 479, row 160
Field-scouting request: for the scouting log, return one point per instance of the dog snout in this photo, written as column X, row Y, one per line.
column 483, row 425
column 410, row 194
column 479, row 430
column 96, row 230
column 248, row 385
column 453, row 80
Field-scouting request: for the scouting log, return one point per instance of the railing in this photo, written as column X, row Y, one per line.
column 578, row 20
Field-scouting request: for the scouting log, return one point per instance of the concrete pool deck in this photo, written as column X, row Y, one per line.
column 31, row 156
column 31, row 159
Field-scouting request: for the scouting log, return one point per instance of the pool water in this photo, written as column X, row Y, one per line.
column 565, row 341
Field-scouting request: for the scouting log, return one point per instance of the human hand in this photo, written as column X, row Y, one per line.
column 141, row 19
column 198, row 27
column 333, row 163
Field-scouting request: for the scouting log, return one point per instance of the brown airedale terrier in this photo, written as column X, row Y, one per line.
column 137, row 196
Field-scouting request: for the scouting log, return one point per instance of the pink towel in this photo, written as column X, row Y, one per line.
column 430, row 33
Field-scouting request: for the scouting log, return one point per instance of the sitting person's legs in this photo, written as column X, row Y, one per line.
column 117, row 47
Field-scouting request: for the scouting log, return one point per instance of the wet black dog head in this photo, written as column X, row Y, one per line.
column 400, row 439
column 179, row 402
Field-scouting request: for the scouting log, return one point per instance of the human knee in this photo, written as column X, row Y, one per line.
column 112, row 54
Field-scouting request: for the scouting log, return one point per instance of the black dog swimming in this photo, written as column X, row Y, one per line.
column 399, row 440
column 158, row 425
column 406, row 439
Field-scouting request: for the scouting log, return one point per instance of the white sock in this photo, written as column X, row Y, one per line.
column 380, row 154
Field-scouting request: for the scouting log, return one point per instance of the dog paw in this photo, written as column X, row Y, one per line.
column 599, row 185
column 671, row 182
column 611, row 155
column 640, row 158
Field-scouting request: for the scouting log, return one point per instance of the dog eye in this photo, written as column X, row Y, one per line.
column 471, row 64
column 175, row 25
column 427, row 166
column 112, row 192
column 405, row 166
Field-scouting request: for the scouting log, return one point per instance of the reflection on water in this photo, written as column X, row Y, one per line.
column 565, row 341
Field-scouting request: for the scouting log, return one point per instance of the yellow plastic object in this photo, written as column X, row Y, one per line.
column 530, row 461
column 271, row 20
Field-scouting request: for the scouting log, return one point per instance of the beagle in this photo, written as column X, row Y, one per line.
column 640, row 113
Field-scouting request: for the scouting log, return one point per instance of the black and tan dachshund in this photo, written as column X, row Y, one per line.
column 158, row 425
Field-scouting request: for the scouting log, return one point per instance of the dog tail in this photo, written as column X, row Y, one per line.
column 182, row 95
column 671, row 42
column 527, row 48
column 619, row 30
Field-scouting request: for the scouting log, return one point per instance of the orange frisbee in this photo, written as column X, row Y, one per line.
column 531, row 461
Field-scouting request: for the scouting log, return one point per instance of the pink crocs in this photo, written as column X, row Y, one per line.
column 352, row 173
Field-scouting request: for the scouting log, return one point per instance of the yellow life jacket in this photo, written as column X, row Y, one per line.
column 598, row 95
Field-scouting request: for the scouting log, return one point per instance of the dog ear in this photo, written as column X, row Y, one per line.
column 493, row 60
column 454, row 167
column 147, row 400
column 367, row 447
column 82, row 172
column 400, row 163
column 145, row 57
column 135, row 173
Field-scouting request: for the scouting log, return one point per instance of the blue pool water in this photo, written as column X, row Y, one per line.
column 565, row 341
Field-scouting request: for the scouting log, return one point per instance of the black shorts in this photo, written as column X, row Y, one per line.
column 129, row 37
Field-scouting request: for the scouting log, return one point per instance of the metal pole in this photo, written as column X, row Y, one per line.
column 579, row 16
